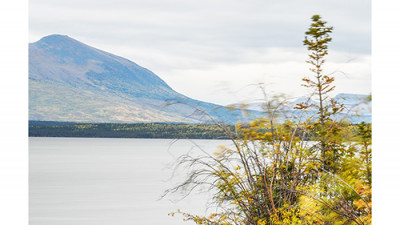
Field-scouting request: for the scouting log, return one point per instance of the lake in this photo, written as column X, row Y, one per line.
column 87, row 181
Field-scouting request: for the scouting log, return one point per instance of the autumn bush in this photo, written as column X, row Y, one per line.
column 289, row 170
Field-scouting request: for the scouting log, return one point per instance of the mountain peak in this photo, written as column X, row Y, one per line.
column 63, row 48
column 57, row 42
column 55, row 38
column 350, row 95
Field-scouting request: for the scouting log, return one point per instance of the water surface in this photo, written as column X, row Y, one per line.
column 88, row 181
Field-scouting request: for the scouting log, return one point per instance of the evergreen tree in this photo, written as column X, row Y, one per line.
column 316, row 40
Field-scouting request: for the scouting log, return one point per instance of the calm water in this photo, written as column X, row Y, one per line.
column 85, row 181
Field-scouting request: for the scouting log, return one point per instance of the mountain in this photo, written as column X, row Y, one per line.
column 357, row 108
column 71, row 81
column 355, row 104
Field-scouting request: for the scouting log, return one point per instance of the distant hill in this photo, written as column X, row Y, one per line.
column 71, row 81
column 357, row 108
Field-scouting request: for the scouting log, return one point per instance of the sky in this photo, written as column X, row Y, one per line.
column 219, row 51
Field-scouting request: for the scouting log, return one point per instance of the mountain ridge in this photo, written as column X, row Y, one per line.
column 72, row 81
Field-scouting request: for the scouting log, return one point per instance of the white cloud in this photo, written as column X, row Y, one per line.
column 203, row 47
column 280, row 69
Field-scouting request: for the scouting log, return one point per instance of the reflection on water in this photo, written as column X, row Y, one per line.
column 85, row 181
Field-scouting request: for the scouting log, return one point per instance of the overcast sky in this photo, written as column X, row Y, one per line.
column 216, row 50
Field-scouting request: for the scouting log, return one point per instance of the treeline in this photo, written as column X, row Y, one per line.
column 148, row 130
column 127, row 130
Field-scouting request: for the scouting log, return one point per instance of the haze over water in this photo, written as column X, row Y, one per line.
column 88, row 181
